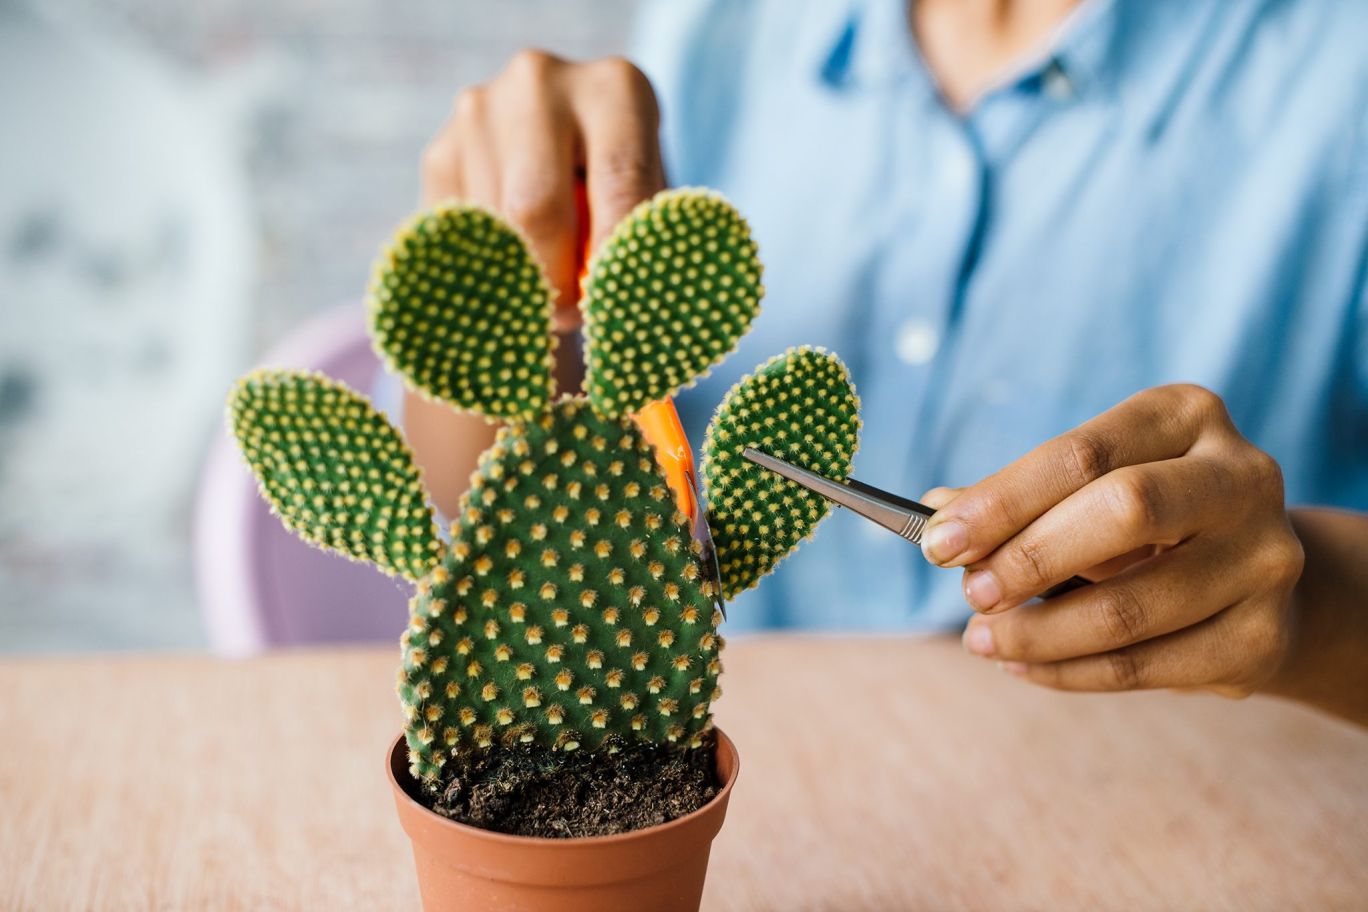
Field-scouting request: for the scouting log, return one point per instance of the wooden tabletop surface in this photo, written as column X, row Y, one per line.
column 875, row 774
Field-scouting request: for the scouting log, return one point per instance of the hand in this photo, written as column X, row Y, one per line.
column 1178, row 518
column 519, row 143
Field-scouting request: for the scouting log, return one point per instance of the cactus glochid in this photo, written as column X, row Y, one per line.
column 572, row 607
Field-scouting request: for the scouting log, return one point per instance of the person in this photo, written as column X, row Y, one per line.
column 1097, row 267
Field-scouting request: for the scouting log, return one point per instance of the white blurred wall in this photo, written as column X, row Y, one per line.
column 180, row 183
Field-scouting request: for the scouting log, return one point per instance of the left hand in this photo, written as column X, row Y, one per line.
column 1178, row 518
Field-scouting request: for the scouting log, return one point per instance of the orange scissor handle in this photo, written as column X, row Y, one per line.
column 659, row 422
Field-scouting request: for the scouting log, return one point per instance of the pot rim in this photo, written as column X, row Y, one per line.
column 510, row 840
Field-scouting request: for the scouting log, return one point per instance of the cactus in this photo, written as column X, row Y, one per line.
column 458, row 305
column 572, row 608
column 334, row 470
column 676, row 287
column 799, row 406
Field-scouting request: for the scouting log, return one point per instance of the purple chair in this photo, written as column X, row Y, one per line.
column 259, row 586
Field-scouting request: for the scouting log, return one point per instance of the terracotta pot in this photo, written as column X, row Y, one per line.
column 660, row 868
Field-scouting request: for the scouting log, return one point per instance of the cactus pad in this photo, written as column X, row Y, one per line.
column 799, row 406
column 334, row 470
column 571, row 608
column 460, row 308
column 674, row 289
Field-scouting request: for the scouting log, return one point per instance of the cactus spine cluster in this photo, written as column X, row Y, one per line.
column 572, row 608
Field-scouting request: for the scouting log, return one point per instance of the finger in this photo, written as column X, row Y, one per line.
column 1152, row 425
column 1179, row 588
column 1109, row 568
column 535, row 143
column 619, row 125
column 938, row 498
column 440, row 173
column 1137, row 505
column 1229, row 653
column 468, row 137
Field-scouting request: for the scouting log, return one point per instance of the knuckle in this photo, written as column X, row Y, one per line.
column 1124, row 668
column 1282, row 562
column 1265, row 473
column 1121, row 616
column 532, row 63
column 1294, row 561
column 619, row 78
column 990, row 516
column 1032, row 565
column 620, row 71
column 626, row 166
column 469, row 104
column 1201, row 404
column 532, row 206
column 623, row 177
column 1087, row 458
column 1267, row 640
column 438, row 165
column 1136, row 500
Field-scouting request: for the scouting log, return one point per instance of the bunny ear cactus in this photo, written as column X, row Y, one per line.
column 334, row 470
column 459, row 308
column 801, row 407
column 674, row 289
column 572, row 608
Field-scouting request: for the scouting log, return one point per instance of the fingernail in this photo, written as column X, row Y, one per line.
column 978, row 639
column 945, row 542
column 982, row 589
column 1013, row 668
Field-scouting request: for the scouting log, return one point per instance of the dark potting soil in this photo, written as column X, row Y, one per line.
column 530, row 791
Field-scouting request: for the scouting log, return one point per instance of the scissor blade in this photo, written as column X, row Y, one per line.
column 897, row 514
column 703, row 533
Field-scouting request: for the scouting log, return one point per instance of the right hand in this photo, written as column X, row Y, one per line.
column 519, row 143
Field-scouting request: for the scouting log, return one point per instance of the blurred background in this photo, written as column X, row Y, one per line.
column 180, row 185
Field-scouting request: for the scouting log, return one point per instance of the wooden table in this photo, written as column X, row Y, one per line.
column 876, row 774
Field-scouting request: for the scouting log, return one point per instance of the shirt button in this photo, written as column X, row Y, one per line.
column 916, row 342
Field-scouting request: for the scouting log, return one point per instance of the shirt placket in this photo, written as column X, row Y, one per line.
column 937, row 180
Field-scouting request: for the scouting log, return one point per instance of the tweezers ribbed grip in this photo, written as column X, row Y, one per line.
column 912, row 531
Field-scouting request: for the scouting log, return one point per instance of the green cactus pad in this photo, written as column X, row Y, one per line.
column 671, row 293
column 460, row 308
column 335, row 471
column 799, row 406
column 570, row 609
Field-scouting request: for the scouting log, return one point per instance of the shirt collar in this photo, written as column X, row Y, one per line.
column 868, row 44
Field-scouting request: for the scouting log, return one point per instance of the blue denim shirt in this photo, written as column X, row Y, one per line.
column 1171, row 190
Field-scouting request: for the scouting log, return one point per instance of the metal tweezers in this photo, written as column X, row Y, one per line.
column 903, row 517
